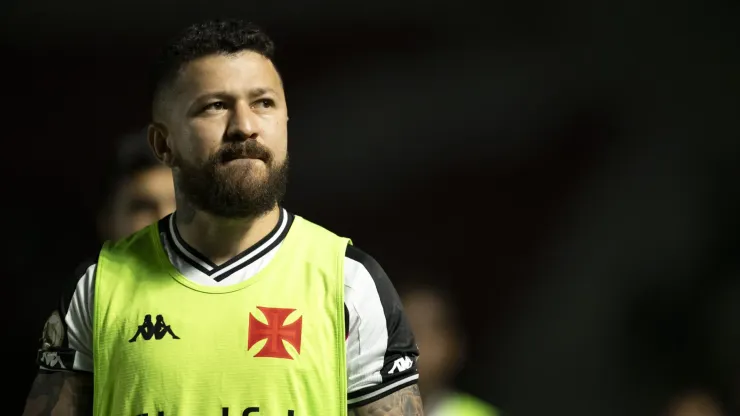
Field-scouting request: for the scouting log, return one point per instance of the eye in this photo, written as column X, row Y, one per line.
column 215, row 106
column 264, row 103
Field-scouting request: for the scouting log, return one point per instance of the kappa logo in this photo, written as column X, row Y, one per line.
column 275, row 331
column 52, row 360
column 57, row 358
column 401, row 364
column 158, row 330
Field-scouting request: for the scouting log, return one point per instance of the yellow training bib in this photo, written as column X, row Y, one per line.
column 273, row 345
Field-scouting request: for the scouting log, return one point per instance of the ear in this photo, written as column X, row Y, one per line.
column 157, row 135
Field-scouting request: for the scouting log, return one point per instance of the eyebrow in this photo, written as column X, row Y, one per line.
column 253, row 93
column 257, row 92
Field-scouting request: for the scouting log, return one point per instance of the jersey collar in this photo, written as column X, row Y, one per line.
column 182, row 249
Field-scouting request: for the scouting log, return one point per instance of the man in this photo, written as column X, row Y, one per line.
column 138, row 191
column 262, row 312
column 436, row 327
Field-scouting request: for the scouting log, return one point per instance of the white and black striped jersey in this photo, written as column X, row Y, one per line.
column 381, row 350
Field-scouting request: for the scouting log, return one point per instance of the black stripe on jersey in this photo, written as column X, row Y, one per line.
column 195, row 253
column 399, row 364
column 259, row 246
column 164, row 227
column 203, row 264
column 346, row 321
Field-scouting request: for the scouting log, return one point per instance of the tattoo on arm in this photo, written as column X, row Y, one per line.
column 60, row 393
column 404, row 402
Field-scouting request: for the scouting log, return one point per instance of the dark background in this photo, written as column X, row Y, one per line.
column 571, row 166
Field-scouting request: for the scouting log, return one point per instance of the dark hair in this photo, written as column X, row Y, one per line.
column 131, row 155
column 202, row 39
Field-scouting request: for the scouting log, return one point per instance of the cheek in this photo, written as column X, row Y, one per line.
column 280, row 152
column 196, row 145
column 204, row 131
column 277, row 139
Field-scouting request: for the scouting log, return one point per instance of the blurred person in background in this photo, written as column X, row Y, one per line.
column 434, row 320
column 694, row 403
column 191, row 315
column 138, row 189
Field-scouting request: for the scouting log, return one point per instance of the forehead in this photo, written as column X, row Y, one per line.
column 231, row 73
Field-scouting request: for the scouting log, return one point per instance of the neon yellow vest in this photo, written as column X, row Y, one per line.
column 461, row 404
column 271, row 345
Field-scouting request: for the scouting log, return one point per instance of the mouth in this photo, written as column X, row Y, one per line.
column 248, row 152
column 231, row 158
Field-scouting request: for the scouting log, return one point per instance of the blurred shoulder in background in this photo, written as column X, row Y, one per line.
column 434, row 319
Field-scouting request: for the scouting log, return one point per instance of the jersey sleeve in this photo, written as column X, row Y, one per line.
column 381, row 350
column 66, row 341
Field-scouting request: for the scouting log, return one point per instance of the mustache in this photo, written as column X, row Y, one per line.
column 249, row 149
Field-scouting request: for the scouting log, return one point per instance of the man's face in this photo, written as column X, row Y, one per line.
column 226, row 119
column 139, row 201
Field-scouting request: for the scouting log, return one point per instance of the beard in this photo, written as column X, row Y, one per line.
column 233, row 190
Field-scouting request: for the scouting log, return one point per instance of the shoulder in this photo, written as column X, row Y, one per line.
column 79, row 285
column 75, row 299
column 366, row 282
column 369, row 291
column 306, row 226
column 134, row 244
column 362, row 271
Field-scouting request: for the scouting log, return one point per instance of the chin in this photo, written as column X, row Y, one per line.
column 249, row 183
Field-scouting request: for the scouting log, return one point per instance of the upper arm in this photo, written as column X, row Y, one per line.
column 67, row 334
column 381, row 350
column 64, row 381
column 404, row 402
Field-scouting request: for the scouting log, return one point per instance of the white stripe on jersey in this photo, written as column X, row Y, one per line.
column 193, row 258
column 362, row 299
column 176, row 259
column 259, row 251
column 195, row 275
column 79, row 321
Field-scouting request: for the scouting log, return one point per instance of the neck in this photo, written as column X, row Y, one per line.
column 221, row 239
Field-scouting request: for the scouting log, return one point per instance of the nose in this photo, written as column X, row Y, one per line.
column 243, row 123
